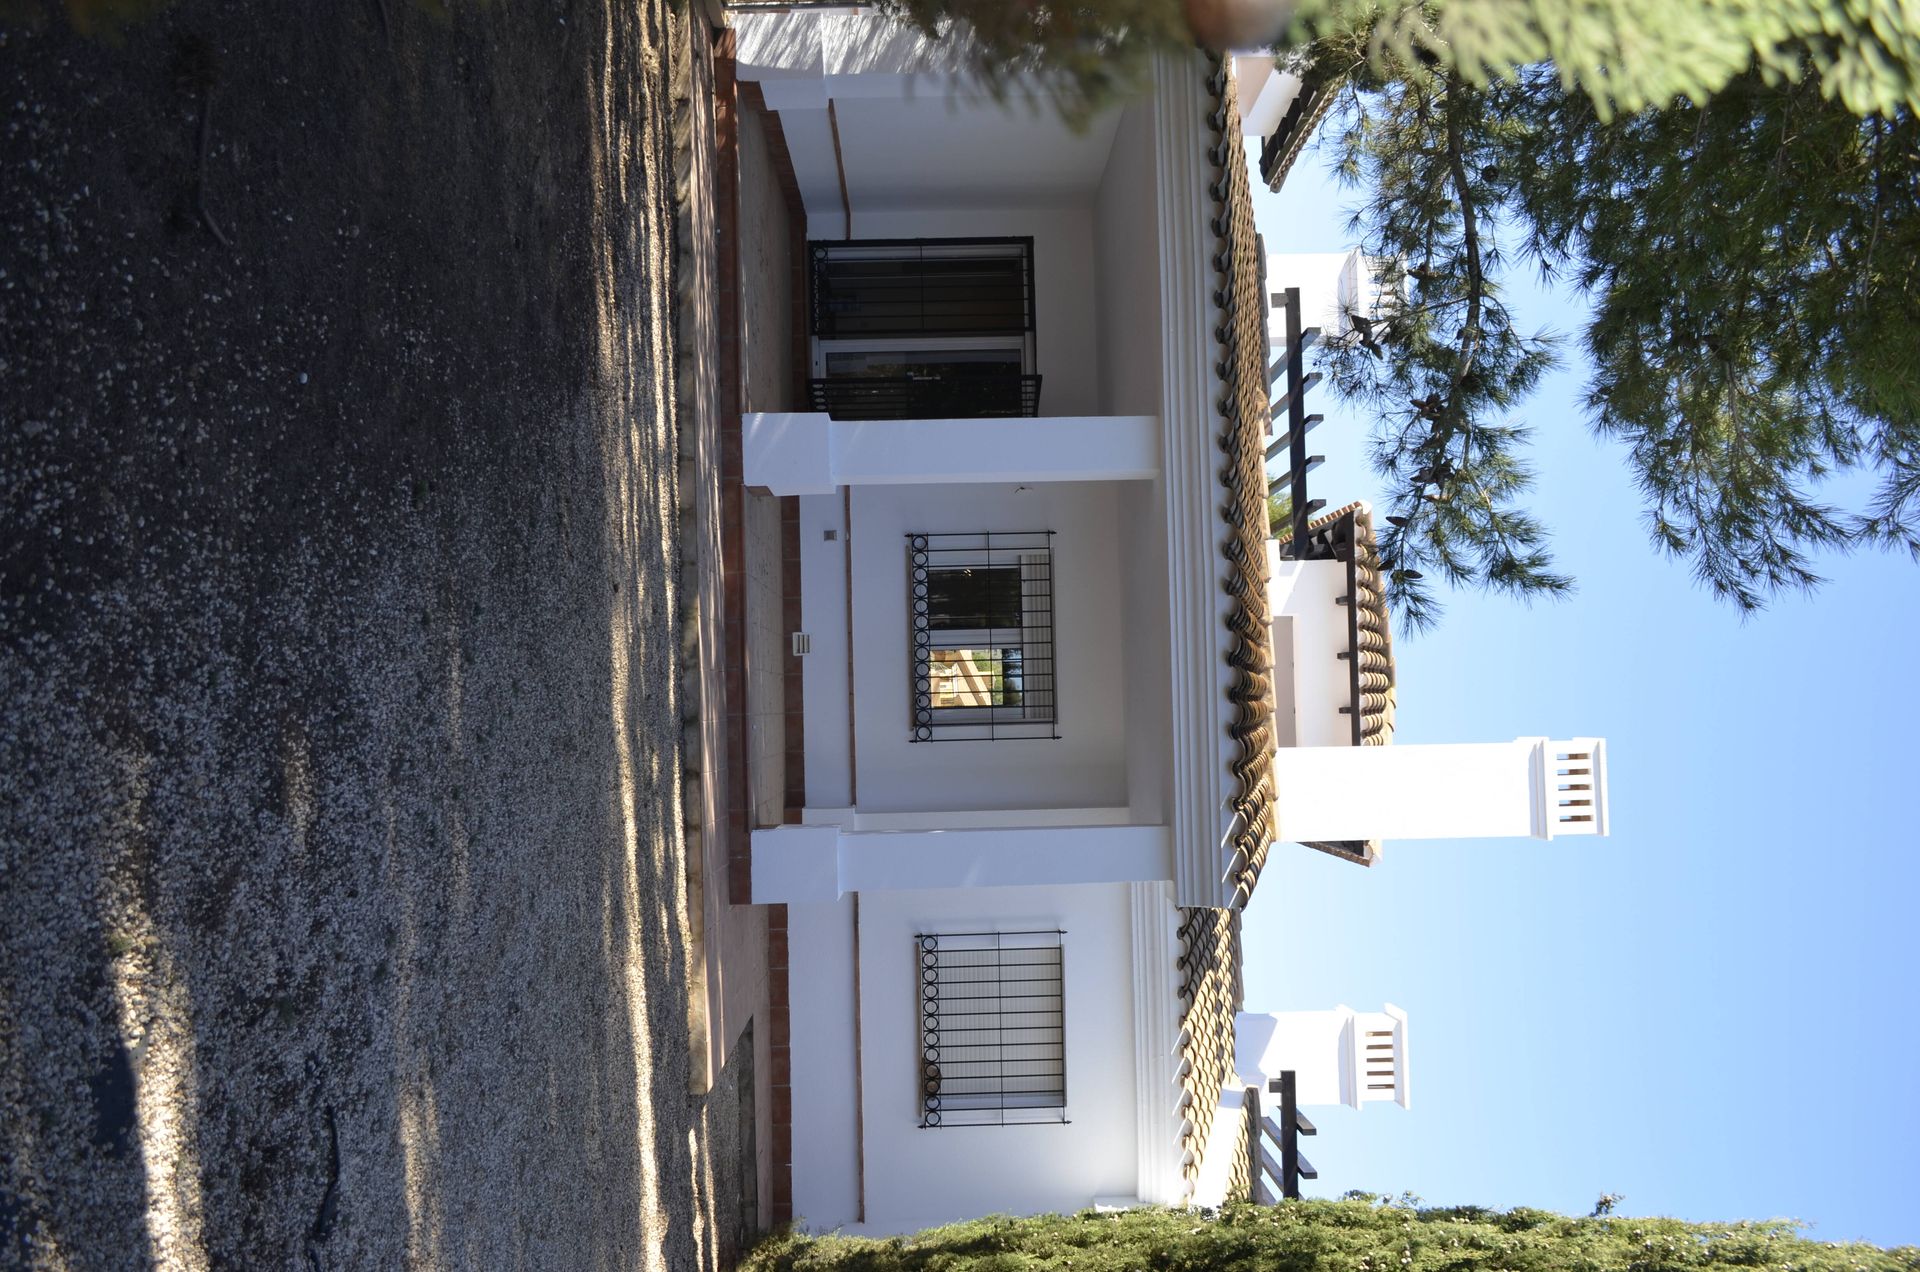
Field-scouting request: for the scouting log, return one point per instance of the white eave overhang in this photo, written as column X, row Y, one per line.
column 1199, row 814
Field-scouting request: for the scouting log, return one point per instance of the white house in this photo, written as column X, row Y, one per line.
column 1062, row 691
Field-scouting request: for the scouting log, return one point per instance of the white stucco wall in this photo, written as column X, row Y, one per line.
column 1066, row 349
column 1086, row 766
column 826, row 1167
column 917, row 1177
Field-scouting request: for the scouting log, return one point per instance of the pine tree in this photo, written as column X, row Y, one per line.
column 1754, row 268
column 1441, row 363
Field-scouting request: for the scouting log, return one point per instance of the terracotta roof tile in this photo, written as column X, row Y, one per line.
column 1294, row 131
column 1240, row 293
column 1209, row 965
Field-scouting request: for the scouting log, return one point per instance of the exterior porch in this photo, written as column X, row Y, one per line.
column 955, row 241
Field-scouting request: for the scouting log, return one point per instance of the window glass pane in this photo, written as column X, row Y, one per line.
column 992, row 1029
column 981, row 638
column 974, row 677
column 973, row 598
column 921, row 288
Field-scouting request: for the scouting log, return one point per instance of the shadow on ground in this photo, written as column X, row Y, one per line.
column 339, row 809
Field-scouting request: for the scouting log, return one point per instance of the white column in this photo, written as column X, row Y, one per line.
column 825, row 675
column 1527, row 787
column 824, row 862
column 806, row 453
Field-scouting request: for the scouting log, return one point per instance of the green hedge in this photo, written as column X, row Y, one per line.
column 1362, row 1235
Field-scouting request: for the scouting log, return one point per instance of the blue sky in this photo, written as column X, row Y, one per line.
column 1712, row 1011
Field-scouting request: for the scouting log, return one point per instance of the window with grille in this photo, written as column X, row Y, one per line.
column 992, row 1029
column 923, row 328
column 982, row 636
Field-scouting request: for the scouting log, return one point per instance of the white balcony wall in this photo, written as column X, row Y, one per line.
column 1312, row 683
column 1086, row 767
column 1065, row 348
column 917, row 1177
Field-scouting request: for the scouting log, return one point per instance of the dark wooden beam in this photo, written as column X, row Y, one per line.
column 1313, row 462
column 1297, row 387
column 1296, row 421
column 1286, row 1085
column 1285, row 440
column 1308, row 337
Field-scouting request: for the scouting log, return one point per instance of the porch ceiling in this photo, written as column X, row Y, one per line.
column 930, row 152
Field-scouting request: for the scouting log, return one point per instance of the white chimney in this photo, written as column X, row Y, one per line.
column 1341, row 1056
column 1493, row 790
column 1333, row 287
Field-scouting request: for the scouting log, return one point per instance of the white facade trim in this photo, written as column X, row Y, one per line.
column 1155, row 1030
column 1189, row 458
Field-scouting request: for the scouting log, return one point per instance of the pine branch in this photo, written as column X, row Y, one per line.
column 1470, row 237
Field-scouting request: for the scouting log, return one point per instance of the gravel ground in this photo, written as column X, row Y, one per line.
column 340, row 855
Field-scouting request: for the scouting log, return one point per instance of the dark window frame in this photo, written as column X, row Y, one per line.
column 1028, row 709
column 950, row 342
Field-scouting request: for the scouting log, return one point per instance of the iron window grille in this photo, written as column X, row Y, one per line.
column 992, row 1029
column 982, row 638
column 923, row 328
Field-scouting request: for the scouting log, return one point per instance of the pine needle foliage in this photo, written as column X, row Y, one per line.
column 1753, row 265
column 1441, row 363
column 1627, row 55
column 1623, row 55
column 1078, row 58
column 1305, row 1236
